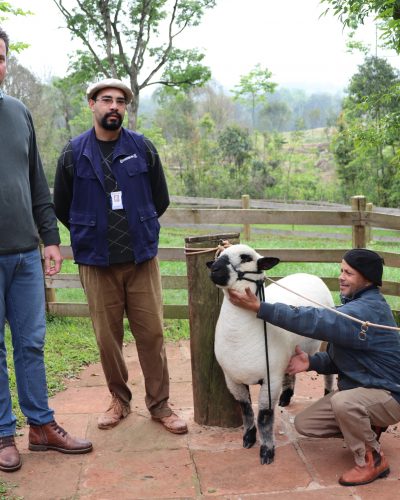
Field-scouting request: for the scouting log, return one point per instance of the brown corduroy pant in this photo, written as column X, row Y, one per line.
column 349, row 414
column 136, row 290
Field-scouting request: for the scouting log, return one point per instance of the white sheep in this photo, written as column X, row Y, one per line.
column 240, row 344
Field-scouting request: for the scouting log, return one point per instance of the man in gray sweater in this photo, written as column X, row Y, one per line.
column 26, row 215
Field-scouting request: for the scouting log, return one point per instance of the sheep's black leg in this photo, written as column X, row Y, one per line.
column 287, row 390
column 329, row 382
column 250, row 431
column 265, row 424
column 241, row 393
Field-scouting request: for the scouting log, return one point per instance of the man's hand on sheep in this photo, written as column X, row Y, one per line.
column 247, row 300
column 299, row 362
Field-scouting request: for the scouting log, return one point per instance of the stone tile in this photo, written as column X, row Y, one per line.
column 134, row 475
column 214, row 438
column 382, row 489
column 180, row 371
column 48, row 475
column 327, row 459
column 91, row 376
column 312, row 492
column 177, row 350
column 181, row 394
column 93, row 399
column 136, row 433
column 237, row 472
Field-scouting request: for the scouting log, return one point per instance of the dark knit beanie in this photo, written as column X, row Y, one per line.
column 367, row 263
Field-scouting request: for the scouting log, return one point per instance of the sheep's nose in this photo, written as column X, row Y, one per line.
column 219, row 275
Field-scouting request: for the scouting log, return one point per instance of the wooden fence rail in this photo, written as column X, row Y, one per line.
column 359, row 217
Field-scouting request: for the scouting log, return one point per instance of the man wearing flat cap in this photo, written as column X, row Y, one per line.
column 109, row 191
column 365, row 357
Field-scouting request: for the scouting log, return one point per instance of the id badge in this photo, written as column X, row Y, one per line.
column 116, row 200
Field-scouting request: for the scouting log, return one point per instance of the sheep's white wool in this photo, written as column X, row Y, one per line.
column 239, row 336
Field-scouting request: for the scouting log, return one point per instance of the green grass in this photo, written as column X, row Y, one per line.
column 6, row 491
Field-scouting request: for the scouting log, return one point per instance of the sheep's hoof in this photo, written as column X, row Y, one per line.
column 285, row 398
column 266, row 454
column 249, row 437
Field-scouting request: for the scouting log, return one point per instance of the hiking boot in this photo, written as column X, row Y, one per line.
column 53, row 437
column 172, row 423
column 376, row 466
column 115, row 413
column 9, row 455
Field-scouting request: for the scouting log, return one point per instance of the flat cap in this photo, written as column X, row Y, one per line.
column 366, row 262
column 109, row 83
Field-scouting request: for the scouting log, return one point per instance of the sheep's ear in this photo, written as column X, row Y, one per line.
column 266, row 263
column 210, row 263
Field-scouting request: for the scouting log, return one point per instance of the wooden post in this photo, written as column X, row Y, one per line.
column 369, row 209
column 358, row 204
column 246, row 227
column 213, row 403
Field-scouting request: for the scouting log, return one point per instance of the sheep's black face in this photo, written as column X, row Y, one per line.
column 219, row 272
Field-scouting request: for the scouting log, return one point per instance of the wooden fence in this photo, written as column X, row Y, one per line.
column 359, row 216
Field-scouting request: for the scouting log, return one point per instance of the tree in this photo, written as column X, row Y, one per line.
column 6, row 9
column 212, row 100
column 366, row 145
column 234, row 143
column 370, row 88
column 254, row 87
column 71, row 106
column 353, row 13
column 122, row 39
column 22, row 84
column 343, row 149
column 276, row 115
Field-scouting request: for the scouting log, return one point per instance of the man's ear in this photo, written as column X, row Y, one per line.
column 266, row 263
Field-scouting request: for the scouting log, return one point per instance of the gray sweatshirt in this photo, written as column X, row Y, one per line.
column 26, row 209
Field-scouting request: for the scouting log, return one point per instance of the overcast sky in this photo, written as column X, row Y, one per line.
column 286, row 36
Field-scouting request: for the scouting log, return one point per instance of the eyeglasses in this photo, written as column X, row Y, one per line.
column 120, row 101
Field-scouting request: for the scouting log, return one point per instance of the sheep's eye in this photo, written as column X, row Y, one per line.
column 245, row 257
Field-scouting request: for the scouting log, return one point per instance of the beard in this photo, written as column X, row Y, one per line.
column 112, row 125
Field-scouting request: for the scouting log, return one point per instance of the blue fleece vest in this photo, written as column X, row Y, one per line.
column 88, row 213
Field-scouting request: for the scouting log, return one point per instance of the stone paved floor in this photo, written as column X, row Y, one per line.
column 139, row 460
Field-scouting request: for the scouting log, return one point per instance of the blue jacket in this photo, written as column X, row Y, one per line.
column 373, row 361
column 88, row 212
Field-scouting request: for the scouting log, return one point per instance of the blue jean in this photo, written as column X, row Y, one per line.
column 22, row 304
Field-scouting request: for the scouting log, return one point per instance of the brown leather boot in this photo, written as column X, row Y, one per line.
column 115, row 413
column 9, row 455
column 376, row 466
column 53, row 437
column 172, row 423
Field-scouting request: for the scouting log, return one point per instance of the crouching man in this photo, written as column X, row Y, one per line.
column 366, row 359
